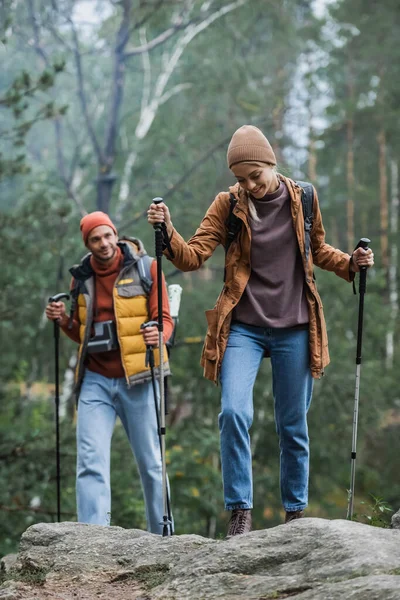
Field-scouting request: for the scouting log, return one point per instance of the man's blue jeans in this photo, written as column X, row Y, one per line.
column 292, row 390
column 101, row 400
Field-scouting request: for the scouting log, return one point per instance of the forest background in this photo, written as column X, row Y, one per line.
column 106, row 104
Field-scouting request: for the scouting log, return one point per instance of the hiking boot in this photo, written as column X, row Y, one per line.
column 240, row 522
column 291, row 516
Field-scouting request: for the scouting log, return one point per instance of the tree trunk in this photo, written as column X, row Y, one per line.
column 384, row 210
column 350, row 163
column 334, row 238
column 312, row 154
column 393, row 267
column 277, row 119
column 350, row 185
column 312, row 162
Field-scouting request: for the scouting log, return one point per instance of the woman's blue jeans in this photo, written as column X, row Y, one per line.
column 292, row 389
column 101, row 400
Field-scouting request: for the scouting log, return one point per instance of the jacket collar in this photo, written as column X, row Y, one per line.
column 241, row 198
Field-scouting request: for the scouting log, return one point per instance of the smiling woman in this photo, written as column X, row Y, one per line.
column 269, row 306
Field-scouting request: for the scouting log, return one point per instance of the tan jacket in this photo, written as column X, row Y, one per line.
column 190, row 255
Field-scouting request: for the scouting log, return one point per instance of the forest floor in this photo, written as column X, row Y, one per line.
column 96, row 587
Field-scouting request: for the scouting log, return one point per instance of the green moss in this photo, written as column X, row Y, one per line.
column 30, row 576
column 149, row 576
column 281, row 594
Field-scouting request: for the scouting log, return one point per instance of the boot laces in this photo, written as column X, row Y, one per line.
column 238, row 521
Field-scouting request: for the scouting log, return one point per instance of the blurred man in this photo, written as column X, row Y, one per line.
column 114, row 292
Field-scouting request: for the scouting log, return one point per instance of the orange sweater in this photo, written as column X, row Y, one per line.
column 109, row 363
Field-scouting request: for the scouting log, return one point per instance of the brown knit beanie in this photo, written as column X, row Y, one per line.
column 249, row 144
column 92, row 220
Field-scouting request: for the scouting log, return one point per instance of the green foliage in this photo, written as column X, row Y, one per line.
column 18, row 98
column 34, row 240
column 378, row 514
column 246, row 67
column 28, row 461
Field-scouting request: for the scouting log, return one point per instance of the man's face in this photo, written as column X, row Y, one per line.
column 102, row 242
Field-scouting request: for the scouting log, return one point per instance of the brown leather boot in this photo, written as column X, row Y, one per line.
column 291, row 516
column 240, row 522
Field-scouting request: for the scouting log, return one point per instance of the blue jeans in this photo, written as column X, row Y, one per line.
column 101, row 400
column 292, row 389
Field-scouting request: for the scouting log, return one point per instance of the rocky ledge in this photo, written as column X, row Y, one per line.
column 308, row 559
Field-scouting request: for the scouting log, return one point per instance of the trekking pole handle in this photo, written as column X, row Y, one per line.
column 158, row 228
column 58, row 297
column 149, row 324
column 157, row 200
column 162, row 239
column 363, row 243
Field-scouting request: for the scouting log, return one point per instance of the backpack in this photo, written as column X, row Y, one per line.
column 234, row 224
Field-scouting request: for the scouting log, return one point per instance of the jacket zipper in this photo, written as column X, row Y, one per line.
column 84, row 345
column 122, row 272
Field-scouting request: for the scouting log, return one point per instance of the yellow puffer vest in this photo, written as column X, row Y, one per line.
column 130, row 300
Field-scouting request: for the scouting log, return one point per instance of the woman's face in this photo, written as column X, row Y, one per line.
column 255, row 179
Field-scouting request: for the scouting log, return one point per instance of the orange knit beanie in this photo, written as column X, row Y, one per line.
column 92, row 220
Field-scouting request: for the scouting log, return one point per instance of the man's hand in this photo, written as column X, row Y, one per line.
column 150, row 336
column 159, row 213
column 55, row 311
column 361, row 258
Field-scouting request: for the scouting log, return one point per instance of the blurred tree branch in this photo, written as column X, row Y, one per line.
column 66, row 179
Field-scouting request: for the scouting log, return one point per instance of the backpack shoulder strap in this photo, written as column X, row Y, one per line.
column 143, row 265
column 233, row 223
column 143, row 262
column 307, row 201
column 233, row 226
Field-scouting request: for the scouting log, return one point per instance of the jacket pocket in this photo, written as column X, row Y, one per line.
column 210, row 343
column 129, row 290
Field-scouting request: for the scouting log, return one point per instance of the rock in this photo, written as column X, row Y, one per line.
column 8, row 562
column 396, row 520
column 73, row 548
column 11, row 590
column 309, row 559
column 306, row 559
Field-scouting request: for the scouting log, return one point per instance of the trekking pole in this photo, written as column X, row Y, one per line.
column 57, row 298
column 159, row 234
column 149, row 362
column 363, row 243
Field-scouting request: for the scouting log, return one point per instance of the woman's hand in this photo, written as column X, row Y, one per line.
column 159, row 213
column 361, row 258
